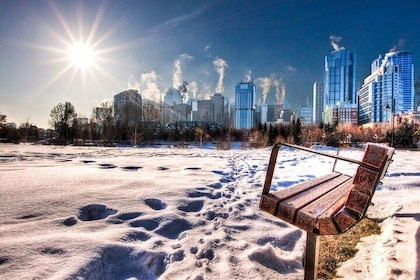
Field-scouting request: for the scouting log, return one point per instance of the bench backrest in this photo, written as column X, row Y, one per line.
column 375, row 164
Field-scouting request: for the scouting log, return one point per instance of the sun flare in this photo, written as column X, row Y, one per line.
column 81, row 55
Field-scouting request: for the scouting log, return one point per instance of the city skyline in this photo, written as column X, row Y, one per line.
column 46, row 48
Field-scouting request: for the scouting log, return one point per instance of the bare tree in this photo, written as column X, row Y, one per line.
column 61, row 118
column 103, row 118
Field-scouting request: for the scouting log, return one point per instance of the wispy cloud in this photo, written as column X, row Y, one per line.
column 291, row 69
column 178, row 20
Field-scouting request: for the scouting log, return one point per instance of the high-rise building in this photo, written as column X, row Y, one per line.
column 382, row 91
column 218, row 108
column 404, row 62
column 264, row 113
column 417, row 95
column 245, row 105
column 340, row 80
column 305, row 114
column 127, row 107
column 205, row 110
column 318, row 102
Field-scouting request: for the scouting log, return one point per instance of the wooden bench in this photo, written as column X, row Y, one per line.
column 327, row 205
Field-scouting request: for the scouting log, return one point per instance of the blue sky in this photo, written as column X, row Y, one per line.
column 153, row 45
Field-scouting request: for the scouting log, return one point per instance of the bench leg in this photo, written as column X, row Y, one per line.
column 311, row 256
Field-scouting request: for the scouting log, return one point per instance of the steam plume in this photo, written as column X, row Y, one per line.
column 334, row 42
column 248, row 76
column 280, row 90
column 194, row 89
column 220, row 66
column 401, row 43
column 177, row 75
column 149, row 87
column 132, row 83
column 265, row 84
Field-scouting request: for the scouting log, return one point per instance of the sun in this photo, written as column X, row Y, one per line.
column 81, row 55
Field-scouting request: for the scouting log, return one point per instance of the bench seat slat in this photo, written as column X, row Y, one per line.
column 288, row 208
column 307, row 218
column 326, row 223
column 270, row 201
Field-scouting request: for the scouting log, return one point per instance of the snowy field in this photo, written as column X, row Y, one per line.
column 167, row 213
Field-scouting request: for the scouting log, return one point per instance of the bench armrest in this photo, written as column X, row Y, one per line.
column 275, row 150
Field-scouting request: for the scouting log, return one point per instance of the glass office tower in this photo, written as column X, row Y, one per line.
column 340, row 78
column 404, row 62
column 244, row 105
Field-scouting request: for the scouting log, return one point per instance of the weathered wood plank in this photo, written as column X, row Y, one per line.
column 288, row 208
column 376, row 155
column 358, row 202
column 304, row 186
column 268, row 203
column 366, row 180
column 307, row 217
column 344, row 220
column 326, row 223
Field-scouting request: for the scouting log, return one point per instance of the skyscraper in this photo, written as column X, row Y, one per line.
column 318, row 102
column 340, row 77
column 404, row 62
column 127, row 107
column 381, row 93
column 340, row 83
column 245, row 105
column 218, row 108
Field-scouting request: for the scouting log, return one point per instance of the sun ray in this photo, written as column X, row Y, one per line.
column 62, row 21
column 80, row 52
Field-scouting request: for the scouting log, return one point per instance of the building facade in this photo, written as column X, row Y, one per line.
column 318, row 102
column 403, row 60
column 340, row 80
column 218, row 108
column 245, row 105
column 381, row 94
column 341, row 113
column 305, row 114
column 127, row 107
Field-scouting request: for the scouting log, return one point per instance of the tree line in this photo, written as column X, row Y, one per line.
column 106, row 130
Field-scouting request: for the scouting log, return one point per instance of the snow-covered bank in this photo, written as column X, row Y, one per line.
column 130, row 213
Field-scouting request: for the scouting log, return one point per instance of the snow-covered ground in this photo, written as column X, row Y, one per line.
column 167, row 213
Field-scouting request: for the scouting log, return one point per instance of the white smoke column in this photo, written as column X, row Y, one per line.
column 248, row 76
column 220, row 66
column 280, row 90
column 177, row 75
column 194, row 89
column 149, row 86
column 205, row 92
column 334, row 42
column 132, row 83
column 265, row 84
